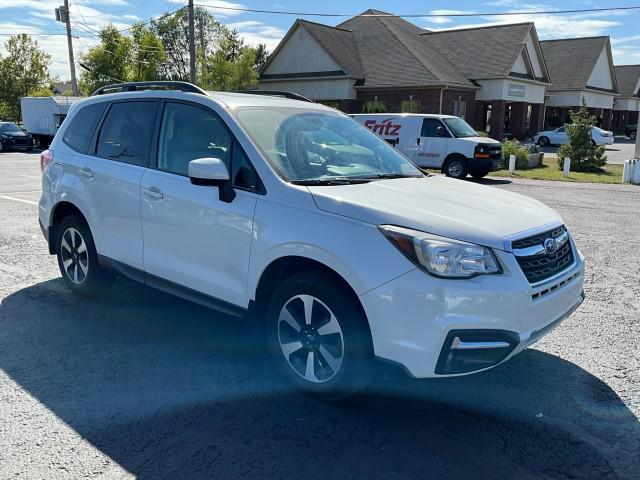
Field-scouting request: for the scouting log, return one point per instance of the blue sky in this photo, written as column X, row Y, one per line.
column 37, row 17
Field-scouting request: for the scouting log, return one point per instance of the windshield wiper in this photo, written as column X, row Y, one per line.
column 330, row 181
column 386, row 176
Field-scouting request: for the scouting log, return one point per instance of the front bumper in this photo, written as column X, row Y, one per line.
column 415, row 318
column 24, row 143
column 491, row 164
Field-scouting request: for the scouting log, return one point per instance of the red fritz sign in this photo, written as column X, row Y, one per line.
column 385, row 127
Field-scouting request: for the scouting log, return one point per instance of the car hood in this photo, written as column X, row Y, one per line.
column 485, row 140
column 15, row 134
column 442, row 206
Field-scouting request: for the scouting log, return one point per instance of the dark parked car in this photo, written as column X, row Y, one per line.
column 630, row 131
column 12, row 137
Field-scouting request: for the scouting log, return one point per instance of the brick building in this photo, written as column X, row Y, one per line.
column 495, row 77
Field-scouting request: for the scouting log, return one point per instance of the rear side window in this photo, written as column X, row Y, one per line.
column 80, row 131
column 126, row 132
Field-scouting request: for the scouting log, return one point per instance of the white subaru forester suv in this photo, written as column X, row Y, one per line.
column 292, row 215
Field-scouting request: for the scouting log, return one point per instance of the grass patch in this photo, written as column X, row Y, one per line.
column 549, row 171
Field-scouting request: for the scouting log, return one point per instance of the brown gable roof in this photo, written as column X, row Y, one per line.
column 393, row 54
column 482, row 52
column 339, row 43
column 628, row 76
column 571, row 61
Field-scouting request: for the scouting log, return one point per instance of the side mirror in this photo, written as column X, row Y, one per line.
column 441, row 132
column 212, row 172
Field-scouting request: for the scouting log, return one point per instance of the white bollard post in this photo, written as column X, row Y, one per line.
column 512, row 164
column 566, row 167
column 626, row 171
column 635, row 175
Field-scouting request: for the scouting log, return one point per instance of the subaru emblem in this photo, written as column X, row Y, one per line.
column 550, row 245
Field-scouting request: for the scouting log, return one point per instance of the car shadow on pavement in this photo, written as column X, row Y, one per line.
column 168, row 389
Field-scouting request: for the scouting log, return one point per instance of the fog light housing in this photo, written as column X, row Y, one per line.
column 467, row 351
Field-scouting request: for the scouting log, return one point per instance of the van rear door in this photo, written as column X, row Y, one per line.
column 433, row 145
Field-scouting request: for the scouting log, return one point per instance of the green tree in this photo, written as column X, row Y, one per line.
column 23, row 70
column 173, row 33
column 262, row 55
column 108, row 62
column 147, row 55
column 584, row 154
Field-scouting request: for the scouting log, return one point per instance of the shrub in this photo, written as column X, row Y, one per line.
column 411, row 106
column 482, row 134
column 374, row 106
column 584, row 155
column 513, row 147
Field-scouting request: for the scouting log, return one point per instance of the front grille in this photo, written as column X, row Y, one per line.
column 540, row 266
column 21, row 141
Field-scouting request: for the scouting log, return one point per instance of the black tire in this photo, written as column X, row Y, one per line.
column 593, row 142
column 632, row 135
column 479, row 173
column 329, row 297
column 455, row 167
column 544, row 141
column 79, row 266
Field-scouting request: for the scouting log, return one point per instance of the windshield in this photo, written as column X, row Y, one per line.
column 311, row 146
column 9, row 127
column 460, row 128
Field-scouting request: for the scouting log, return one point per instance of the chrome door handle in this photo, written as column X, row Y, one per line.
column 86, row 173
column 153, row 193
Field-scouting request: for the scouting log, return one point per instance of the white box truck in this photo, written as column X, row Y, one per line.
column 42, row 116
column 443, row 142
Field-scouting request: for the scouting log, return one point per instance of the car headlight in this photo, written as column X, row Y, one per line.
column 440, row 256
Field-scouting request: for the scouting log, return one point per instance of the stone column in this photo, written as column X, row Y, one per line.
column 498, row 109
column 606, row 119
column 518, row 120
column 537, row 117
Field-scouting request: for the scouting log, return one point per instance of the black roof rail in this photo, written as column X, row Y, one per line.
column 159, row 85
column 274, row 93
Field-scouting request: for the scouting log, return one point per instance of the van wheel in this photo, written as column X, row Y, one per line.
column 78, row 259
column 480, row 173
column 318, row 336
column 455, row 167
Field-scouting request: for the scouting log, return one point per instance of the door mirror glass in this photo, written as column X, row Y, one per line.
column 441, row 132
column 212, row 172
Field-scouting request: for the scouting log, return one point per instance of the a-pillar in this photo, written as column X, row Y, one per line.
column 498, row 109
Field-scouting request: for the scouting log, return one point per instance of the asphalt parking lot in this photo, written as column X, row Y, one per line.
column 622, row 149
column 141, row 384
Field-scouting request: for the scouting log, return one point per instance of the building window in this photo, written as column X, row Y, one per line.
column 460, row 108
column 374, row 106
column 411, row 106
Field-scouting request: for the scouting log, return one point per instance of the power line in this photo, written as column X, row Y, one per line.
column 415, row 15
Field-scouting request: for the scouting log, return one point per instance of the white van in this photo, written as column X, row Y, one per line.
column 437, row 141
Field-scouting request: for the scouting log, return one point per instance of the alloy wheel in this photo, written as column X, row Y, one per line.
column 455, row 169
column 74, row 255
column 310, row 338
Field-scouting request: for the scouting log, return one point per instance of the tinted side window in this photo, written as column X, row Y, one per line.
column 126, row 132
column 188, row 133
column 80, row 131
column 430, row 127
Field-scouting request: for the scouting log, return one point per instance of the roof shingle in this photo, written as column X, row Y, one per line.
column 628, row 76
column 483, row 52
column 571, row 61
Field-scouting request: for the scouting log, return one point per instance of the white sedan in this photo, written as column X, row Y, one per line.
column 559, row 137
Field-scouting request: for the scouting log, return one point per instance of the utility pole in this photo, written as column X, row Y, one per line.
column 192, row 44
column 63, row 16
